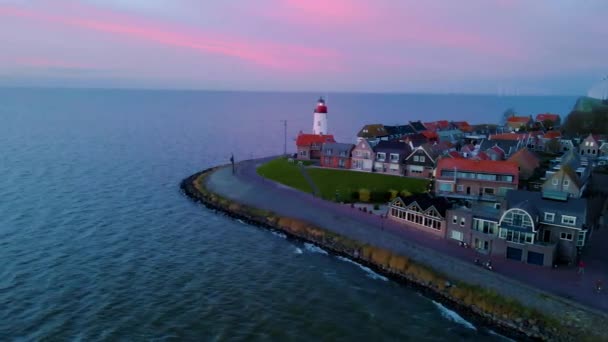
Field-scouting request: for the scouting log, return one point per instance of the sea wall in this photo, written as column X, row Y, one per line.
column 506, row 315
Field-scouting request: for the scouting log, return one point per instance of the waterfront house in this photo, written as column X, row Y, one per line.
column 477, row 180
column 390, row 156
column 515, row 123
column 337, row 155
column 309, row 145
column 553, row 120
column 373, row 133
column 421, row 212
column 541, row 231
column 476, row 225
column 527, row 162
column 589, row 147
column 362, row 156
column 421, row 162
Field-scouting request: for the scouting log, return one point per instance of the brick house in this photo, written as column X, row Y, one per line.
column 309, row 145
column 337, row 155
column 478, row 180
column 421, row 162
column 390, row 156
column 477, row 226
column 422, row 212
column 527, row 162
column 362, row 156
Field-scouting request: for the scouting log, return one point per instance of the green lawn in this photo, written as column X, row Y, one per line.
column 345, row 182
column 285, row 173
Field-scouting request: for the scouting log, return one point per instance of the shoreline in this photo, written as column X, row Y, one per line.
column 401, row 269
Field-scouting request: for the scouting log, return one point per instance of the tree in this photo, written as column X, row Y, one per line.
column 548, row 124
column 507, row 114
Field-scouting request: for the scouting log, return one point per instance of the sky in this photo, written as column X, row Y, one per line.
column 541, row 47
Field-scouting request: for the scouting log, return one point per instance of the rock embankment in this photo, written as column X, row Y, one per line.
column 507, row 315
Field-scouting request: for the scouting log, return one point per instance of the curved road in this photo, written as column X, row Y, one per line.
column 516, row 280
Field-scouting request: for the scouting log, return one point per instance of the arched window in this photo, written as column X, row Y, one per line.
column 517, row 218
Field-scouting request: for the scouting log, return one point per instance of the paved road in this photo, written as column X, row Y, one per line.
column 516, row 280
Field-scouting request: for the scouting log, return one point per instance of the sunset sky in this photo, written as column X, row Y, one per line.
column 473, row 46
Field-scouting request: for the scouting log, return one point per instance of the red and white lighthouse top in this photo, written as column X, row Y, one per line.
column 321, row 107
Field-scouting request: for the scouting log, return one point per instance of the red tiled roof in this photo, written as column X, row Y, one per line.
column 454, row 154
column 488, row 166
column 523, row 119
column 429, row 134
column 309, row 139
column 463, row 126
column 507, row 136
column 431, row 126
column 552, row 135
column 525, row 157
column 483, row 156
column 497, row 150
column 547, row 116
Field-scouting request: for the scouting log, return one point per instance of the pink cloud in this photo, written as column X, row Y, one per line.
column 272, row 55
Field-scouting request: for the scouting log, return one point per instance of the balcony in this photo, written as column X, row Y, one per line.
column 483, row 197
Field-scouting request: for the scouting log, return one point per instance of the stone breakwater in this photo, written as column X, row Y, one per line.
column 508, row 316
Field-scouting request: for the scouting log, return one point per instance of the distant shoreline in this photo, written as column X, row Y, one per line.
column 396, row 267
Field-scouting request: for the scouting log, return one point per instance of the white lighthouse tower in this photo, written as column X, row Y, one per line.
column 320, row 118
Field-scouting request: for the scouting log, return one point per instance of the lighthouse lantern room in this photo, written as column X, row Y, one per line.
column 320, row 118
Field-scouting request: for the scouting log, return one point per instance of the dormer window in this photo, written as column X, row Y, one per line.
column 566, row 183
column 549, row 217
column 569, row 220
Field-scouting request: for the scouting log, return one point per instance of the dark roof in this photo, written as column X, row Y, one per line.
column 336, row 148
column 392, row 146
column 509, row 146
column 576, row 207
column 399, row 130
column 417, row 126
column 372, row 131
column 426, row 201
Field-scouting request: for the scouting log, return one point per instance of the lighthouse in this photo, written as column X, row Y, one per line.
column 320, row 118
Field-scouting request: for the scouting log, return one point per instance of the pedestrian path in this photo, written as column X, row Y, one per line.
column 313, row 186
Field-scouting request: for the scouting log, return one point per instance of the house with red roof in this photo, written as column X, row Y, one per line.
column 527, row 161
column 337, row 155
column 553, row 119
column 516, row 122
column 437, row 125
column 495, row 153
column 463, row 126
column 310, row 145
column 479, row 180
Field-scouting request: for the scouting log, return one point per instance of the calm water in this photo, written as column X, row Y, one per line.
column 97, row 243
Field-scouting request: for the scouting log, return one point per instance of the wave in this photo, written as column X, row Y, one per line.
column 315, row 249
column 492, row 332
column 281, row 235
column 453, row 316
column 367, row 270
column 298, row 251
column 241, row 221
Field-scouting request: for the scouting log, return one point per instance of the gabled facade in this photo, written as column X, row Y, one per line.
column 337, row 155
column 508, row 146
column 421, row 212
column 421, row 162
column 563, row 183
column 362, row 156
column 390, row 157
column 478, row 180
column 309, row 146
column 589, row 147
column 527, row 162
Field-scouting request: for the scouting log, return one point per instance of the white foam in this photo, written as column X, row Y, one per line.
column 492, row 332
column 453, row 316
column 279, row 234
column 312, row 248
column 241, row 221
column 298, row 251
column 367, row 270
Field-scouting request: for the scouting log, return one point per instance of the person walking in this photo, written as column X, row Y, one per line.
column 581, row 267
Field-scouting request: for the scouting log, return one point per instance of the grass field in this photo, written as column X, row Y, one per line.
column 285, row 173
column 345, row 182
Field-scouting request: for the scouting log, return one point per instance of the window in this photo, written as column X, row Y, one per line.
column 394, row 167
column 488, row 191
column 460, row 188
column 416, row 158
column 502, row 234
column 454, row 219
column 394, row 157
column 566, row 183
column 328, row 152
column 591, row 144
column 569, row 220
column 303, row 153
column 456, row 235
column 446, row 187
column 549, row 217
column 555, row 181
column 381, row 156
column 565, row 236
column 462, row 221
column 580, row 240
column 422, row 159
column 586, row 143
